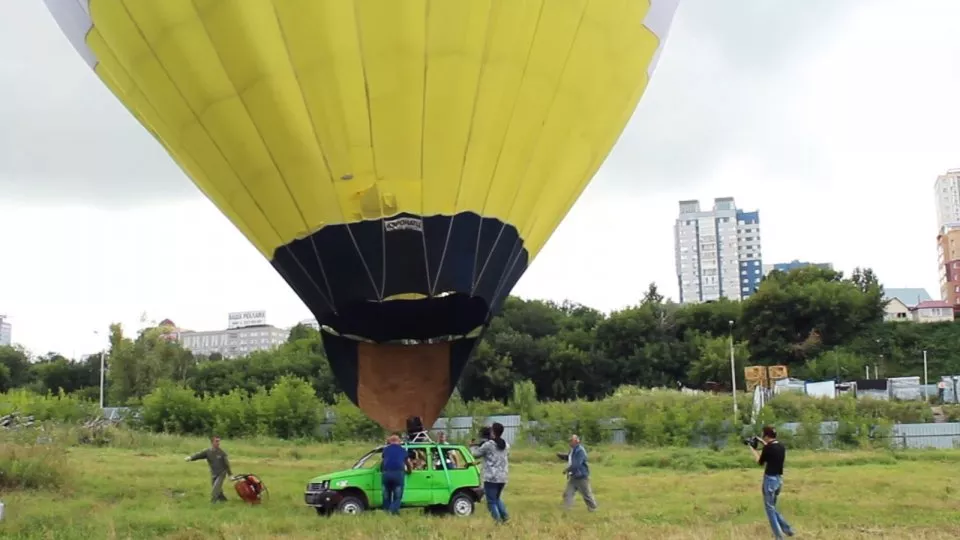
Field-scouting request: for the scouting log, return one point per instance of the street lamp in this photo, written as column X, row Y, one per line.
column 733, row 375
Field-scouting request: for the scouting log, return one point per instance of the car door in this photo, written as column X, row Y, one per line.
column 460, row 471
column 440, row 486
column 416, row 488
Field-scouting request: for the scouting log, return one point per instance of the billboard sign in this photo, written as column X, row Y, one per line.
column 239, row 319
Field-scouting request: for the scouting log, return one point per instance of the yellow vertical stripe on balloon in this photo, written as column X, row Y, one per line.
column 250, row 46
column 325, row 50
column 115, row 31
column 133, row 99
column 511, row 32
column 630, row 51
column 566, row 148
column 117, row 81
column 548, row 58
column 392, row 38
column 456, row 40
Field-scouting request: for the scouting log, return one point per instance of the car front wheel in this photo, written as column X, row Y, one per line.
column 351, row 505
column 461, row 505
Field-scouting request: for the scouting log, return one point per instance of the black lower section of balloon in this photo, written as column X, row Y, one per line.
column 465, row 265
column 344, row 273
column 342, row 355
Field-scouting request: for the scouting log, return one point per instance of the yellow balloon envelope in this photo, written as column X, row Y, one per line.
column 399, row 162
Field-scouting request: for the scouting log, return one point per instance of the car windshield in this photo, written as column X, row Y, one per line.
column 368, row 461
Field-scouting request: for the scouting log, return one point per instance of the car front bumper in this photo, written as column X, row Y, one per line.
column 325, row 499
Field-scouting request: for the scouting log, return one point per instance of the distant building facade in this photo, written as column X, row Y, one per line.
column 947, row 191
column 793, row 265
column 948, row 263
column 238, row 339
column 6, row 331
column 717, row 252
column 896, row 311
column 932, row 311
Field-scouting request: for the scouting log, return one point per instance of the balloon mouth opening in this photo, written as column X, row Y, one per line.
column 420, row 321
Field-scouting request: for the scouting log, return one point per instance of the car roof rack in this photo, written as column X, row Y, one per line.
column 420, row 436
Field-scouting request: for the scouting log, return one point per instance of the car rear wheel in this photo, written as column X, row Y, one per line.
column 461, row 504
column 351, row 505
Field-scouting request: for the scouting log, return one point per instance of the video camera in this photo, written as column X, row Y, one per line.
column 753, row 442
column 485, row 433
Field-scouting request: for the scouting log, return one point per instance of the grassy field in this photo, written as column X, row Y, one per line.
column 141, row 488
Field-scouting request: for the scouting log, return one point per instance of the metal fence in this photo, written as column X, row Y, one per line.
column 907, row 436
column 944, row 436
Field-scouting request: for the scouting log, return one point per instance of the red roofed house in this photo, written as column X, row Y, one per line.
column 930, row 311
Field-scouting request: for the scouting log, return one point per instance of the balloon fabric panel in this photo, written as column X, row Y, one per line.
column 399, row 163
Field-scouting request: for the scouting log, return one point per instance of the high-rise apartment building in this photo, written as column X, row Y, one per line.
column 948, row 260
column 717, row 251
column 947, row 189
column 6, row 331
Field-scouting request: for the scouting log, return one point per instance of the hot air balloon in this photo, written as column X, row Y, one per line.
column 399, row 163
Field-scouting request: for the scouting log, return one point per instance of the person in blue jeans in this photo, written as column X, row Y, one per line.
column 495, row 453
column 393, row 472
column 772, row 458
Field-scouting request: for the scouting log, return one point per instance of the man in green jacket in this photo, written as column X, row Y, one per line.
column 219, row 467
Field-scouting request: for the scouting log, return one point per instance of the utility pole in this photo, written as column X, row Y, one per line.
column 926, row 389
column 733, row 376
column 103, row 354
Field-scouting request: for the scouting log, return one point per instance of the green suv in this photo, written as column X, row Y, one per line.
column 444, row 477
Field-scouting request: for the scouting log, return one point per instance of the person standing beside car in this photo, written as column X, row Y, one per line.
column 578, row 476
column 495, row 453
column 393, row 470
column 772, row 457
column 219, row 467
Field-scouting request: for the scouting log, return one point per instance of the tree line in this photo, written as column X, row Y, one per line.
column 818, row 322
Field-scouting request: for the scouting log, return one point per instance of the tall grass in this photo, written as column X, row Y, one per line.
column 32, row 466
column 650, row 418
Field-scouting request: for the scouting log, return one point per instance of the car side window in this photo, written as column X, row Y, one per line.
column 435, row 459
column 419, row 458
column 452, row 458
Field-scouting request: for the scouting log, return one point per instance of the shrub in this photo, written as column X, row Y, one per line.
column 351, row 424
column 32, row 466
column 290, row 410
column 173, row 408
column 58, row 407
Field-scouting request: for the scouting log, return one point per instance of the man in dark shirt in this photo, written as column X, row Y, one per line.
column 772, row 457
column 219, row 467
column 392, row 471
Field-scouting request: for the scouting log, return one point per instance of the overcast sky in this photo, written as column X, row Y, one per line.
column 832, row 117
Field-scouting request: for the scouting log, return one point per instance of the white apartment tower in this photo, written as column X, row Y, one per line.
column 717, row 252
column 6, row 331
column 947, row 190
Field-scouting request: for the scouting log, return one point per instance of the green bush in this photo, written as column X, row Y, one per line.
column 289, row 410
column 32, row 466
column 58, row 407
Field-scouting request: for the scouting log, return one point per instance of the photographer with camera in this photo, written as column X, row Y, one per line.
column 771, row 457
column 495, row 453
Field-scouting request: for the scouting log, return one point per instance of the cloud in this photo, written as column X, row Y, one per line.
column 717, row 90
column 66, row 138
